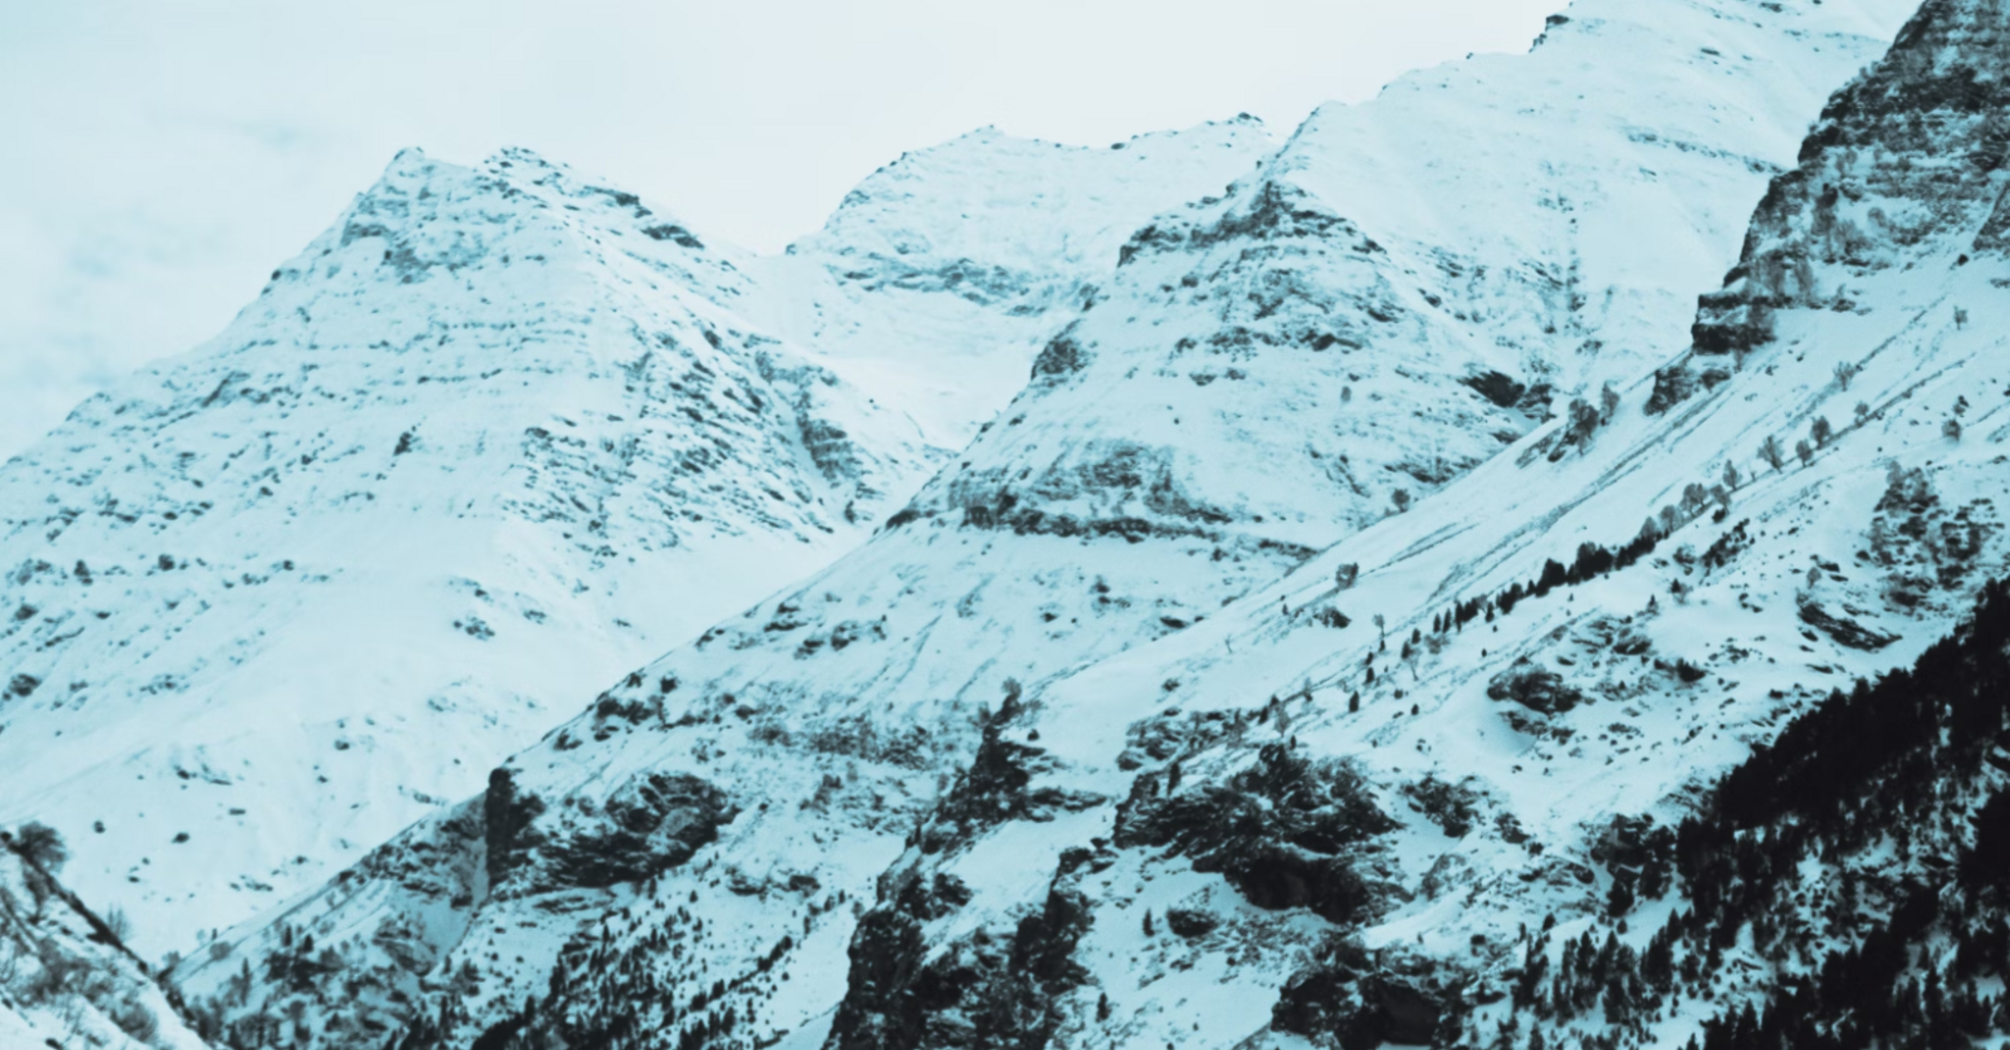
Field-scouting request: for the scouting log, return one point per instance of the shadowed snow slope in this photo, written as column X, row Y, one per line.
column 1254, row 381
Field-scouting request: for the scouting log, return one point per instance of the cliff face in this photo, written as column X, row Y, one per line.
column 1906, row 162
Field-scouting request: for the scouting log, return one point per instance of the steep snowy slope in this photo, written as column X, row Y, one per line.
column 692, row 853
column 1410, row 284
column 1268, row 831
column 498, row 433
column 936, row 281
column 495, row 433
column 65, row 978
column 654, row 458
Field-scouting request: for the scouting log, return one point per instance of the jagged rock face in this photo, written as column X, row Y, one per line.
column 494, row 431
column 1904, row 160
column 992, row 989
column 652, row 824
column 1360, row 1002
column 1285, row 833
column 1537, row 688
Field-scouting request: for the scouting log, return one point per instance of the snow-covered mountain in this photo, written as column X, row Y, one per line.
column 498, row 435
column 741, row 841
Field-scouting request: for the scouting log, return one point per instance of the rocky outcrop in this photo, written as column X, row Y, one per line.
column 1288, row 832
column 1539, row 689
column 989, row 990
column 1902, row 158
column 1358, row 1000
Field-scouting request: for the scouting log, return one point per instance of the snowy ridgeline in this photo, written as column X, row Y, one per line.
column 497, row 437
column 1384, row 559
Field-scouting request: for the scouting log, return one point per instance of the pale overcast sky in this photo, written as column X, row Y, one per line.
column 163, row 155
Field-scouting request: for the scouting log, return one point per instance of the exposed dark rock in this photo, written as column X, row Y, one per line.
column 1356, row 1001
column 1845, row 631
column 1731, row 321
column 1286, row 833
column 998, row 787
column 1062, row 356
column 1277, row 212
column 1917, row 135
column 1676, row 383
column 653, row 823
column 505, row 816
column 1453, row 807
column 1170, row 734
column 675, row 234
column 1537, row 688
column 1497, row 387
column 984, row 992
column 1191, row 923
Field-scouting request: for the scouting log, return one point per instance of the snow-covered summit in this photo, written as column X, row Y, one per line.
column 501, row 432
column 1410, row 284
column 939, row 277
column 495, row 432
column 1021, row 215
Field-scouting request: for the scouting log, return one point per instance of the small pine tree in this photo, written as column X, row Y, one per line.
column 1620, row 900
column 1769, row 450
column 42, row 845
column 1148, row 924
